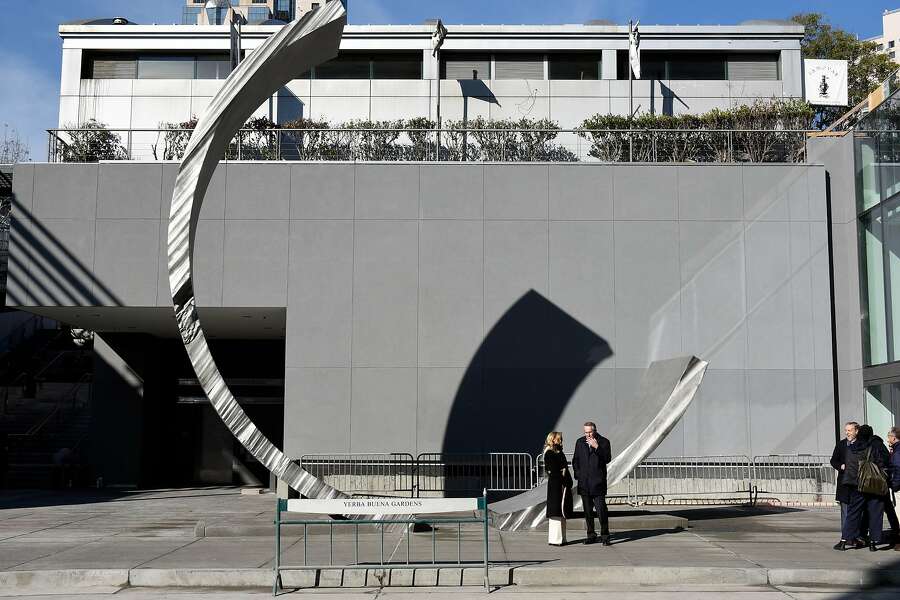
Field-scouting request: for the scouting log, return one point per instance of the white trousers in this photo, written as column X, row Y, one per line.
column 556, row 530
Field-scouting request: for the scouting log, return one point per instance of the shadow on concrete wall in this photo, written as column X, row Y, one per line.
column 51, row 270
column 521, row 379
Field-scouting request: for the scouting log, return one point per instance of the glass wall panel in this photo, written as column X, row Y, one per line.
column 578, row 67
column 166, row 67
column 891, row 213
column 874, row 326
column 213, row 67
column 397, row 66
column 879, row 409
column 347, row 66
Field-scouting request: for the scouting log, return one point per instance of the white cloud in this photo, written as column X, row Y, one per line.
column 29, row 102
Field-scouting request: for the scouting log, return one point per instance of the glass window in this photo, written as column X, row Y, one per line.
column 519, row 66
column 890, row 44
column 874, row 321
column 190, row 15
column 216, row 15
column 257, row 14
column 697, row 66
column 578, row 67
column 165, row 67
column 213, row 67
column 346, row 66
column 111, row 67
column 879, row 409
column 891, row 213
column 397, row 66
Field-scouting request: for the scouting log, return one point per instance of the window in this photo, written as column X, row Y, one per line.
column 582, row 66
column 110, row 67
column 156, row 66
column 165, row 67
column 753, row 67
column 213, row 66
column 345, row 66
column 466, row 66
column 694, row 66
column 190, row 15
column 891, row 44
column 397, row 66
column 216, row 15
column 519, row 66
column 257, row 14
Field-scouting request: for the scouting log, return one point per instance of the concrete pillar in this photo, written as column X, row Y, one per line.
column 609, row 64
column 117, row 408
column 837, row 155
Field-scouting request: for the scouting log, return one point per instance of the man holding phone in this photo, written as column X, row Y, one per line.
column 592, row 454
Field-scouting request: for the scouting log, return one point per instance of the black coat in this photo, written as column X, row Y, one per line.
column 590, row 466
column 838, row 458
column 894, row 467
column 559, row 485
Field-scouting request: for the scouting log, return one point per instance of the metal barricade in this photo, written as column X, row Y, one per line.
column 388, row 474
column 394, row 512
column 690, row 480
column 454, row 474
column 795, row 479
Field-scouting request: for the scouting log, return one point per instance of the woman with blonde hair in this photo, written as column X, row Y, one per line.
column 559, row 488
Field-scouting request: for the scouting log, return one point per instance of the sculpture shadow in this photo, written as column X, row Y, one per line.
column 521, row 379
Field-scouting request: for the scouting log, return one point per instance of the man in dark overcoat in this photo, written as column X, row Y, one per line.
column 592, row 454
column 839, row 463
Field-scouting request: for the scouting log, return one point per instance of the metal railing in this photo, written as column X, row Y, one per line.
column 452, row 145
column 725, row 479
column 782, row 479
column 691, row 479
column 794, row 479
column 387, row 474
column 438, row 473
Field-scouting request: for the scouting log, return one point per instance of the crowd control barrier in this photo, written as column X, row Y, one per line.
column 404, row 512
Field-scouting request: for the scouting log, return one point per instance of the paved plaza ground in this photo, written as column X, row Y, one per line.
column 104, row 542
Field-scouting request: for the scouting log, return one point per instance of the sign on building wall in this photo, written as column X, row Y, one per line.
column 825, row 82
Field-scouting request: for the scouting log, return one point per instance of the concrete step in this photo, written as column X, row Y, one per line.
column 617, row 523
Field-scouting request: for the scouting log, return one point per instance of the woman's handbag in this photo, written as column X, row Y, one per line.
column 872, row 479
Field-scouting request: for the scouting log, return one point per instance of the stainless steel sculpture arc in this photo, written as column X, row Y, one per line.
column 667, row 389
column 293, row 50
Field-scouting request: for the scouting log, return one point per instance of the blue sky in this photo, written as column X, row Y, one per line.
column 29, row 45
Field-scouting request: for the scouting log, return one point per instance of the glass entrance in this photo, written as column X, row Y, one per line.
column 883, row 407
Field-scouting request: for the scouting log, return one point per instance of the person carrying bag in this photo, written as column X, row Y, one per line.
column 865, row 475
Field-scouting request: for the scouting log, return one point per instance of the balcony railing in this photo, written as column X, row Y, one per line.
column 452, row 145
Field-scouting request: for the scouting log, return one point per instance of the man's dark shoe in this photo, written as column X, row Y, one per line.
column 873, row 547
column 859, row 544
column 604, row 539
column 590, row 539
column 841, row 545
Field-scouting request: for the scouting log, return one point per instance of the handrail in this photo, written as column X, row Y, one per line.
column 21, row 326
column 37, row 428
column 873, row 100
column 469, row 144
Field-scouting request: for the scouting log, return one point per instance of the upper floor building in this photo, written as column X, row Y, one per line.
column 140, row 76
column 254, row 12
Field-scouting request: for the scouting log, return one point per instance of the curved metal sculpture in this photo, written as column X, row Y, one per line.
column 667, row 389
column 295, row 49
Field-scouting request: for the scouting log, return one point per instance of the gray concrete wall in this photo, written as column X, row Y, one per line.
column 395, row 275
column 836, row 154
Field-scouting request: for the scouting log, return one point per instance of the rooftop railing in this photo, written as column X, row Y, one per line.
column 450, row 145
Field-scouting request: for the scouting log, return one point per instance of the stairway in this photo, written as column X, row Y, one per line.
column 47, row 437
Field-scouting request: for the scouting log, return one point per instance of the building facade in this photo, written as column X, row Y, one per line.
column 253, row 12
column 360, row 307
column 142, row 77
column 890, row 33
